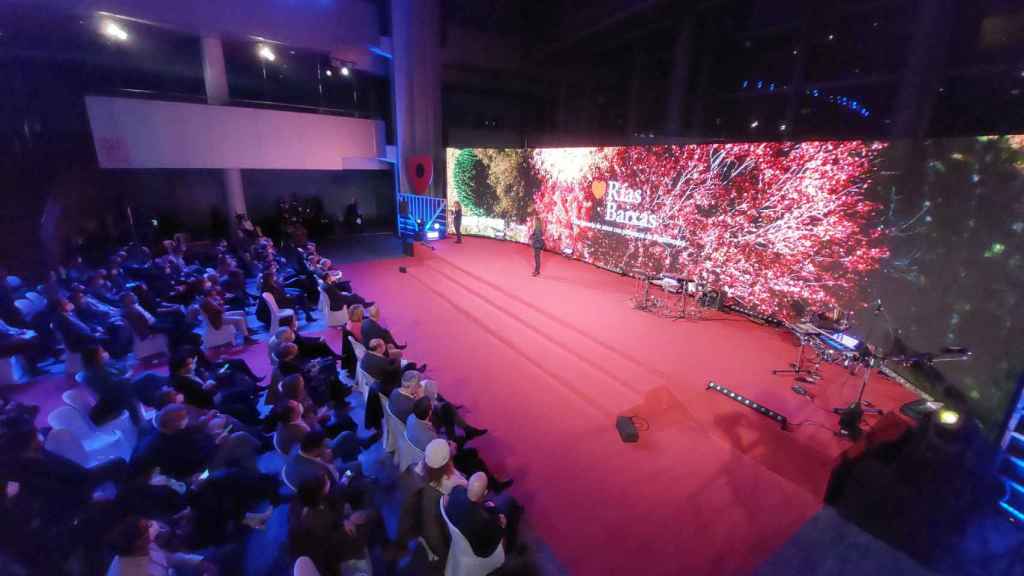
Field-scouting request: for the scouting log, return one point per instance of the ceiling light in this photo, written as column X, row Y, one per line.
column 113, row 31
column 329, row 73
column 948, row 417
column 345, row 71
column 266, row 53
column 754, row 124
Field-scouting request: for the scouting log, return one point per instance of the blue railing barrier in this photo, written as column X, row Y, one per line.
column 422, row 214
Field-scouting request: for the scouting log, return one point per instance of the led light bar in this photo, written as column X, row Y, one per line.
column 749, row 403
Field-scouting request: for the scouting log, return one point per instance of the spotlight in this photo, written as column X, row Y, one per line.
column 437, row 226
column 329, row 73
column 266, row 53
column 782, row 127
column 113, row 31
column 948, row 417
column 754, row 124
column 345, row 71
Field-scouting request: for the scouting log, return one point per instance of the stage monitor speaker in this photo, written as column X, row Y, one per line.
column 408, row 247
column 627, row 429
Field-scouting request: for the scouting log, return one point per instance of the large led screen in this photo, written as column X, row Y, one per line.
column 933, row 231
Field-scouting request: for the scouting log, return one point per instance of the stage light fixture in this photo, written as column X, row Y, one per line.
column 947, row 417
column 763, row 410
column 114, row 31
column 436, row 226
column 266, row 53
column 754, row 124
column 329, row 73
column 345, row 71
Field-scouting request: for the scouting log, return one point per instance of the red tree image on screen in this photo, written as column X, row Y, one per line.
column 769, row 223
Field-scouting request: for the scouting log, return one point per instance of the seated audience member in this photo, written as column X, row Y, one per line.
column 213, row 307
column 401, row 400
column 333, row 420
column 234, row 289
column 421, row 431
column 143, row 324
column 355, row 322
column 182, row 450
column 227, row 503
column 24, row 343
column 372, row 328
column 420, row 514
column 291, row 428
column 114, row 391
column 385, row 366
column 320, row 528
column 269, row 284
column 138, row 554
column 339, row 297
column 77, row 335
column 98, row 287
column 315, row 458
column 484, row 523
column 310, row 347
column 224, row 390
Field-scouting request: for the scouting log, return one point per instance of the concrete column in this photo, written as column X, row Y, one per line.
column 416, row 85
column 214, row 72
column 216, row 79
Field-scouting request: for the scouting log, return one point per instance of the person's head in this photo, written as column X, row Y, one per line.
column 267, row 279
column 183, row 363
column 213, row 279
column 422, row 408
column 94, row 357
column 236, row 276
column 411, row 382
column 128, row 299
column 457, row 204
column 538, row 223
column 172, row 418
column 284, row 334
column 76, row 297
column 293, row 387
column 355, row 313
column 477, row 488
column 314, row 445
column 378, row 346
column 167, row 395
column 437, row 458
column 65, row 306
column 287, row 351
column 374, row 312
column 133, row 536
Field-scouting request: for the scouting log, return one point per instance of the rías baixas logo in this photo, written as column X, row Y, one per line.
column 621, row 203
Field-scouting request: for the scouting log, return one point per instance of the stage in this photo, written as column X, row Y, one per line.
column 547, row 364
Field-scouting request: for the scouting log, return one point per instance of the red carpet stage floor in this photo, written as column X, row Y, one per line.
column 547, row 364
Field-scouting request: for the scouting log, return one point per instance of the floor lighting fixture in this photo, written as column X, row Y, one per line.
column 760, row 409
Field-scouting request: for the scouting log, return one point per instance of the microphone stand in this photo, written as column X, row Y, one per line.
column 850, row 416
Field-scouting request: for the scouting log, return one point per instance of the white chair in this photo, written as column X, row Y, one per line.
column 213, row 338
column 12, row 371
column 357, row 566
column 304, row 567
column 461, row 559
column 81, row 399
column 153, row 345
column 364, row 381
column 358, row 347
column 37, row 300
column 408, row 453
column 80, row 442
column 25, row 308
column 395, row 428
column 277, row 314
column 332, row 318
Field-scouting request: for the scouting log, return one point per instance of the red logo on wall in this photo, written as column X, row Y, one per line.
column 419, row 171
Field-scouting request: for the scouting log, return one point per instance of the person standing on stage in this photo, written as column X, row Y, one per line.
column 537, row 242
column 457, row 221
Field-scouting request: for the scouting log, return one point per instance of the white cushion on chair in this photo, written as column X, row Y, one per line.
column 213, row 337
column 154, row 345
column 396, row 430
column 97, row 446
column 358, row 347
column 461, row 559
column 304, row 567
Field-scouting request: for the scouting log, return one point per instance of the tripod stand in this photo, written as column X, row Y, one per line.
column 850, row 417
column 797, row 368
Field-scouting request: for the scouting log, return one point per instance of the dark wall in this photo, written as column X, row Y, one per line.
column 375, row 190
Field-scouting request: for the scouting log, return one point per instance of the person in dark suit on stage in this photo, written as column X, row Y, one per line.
column 457, row 221
column 537, row 242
